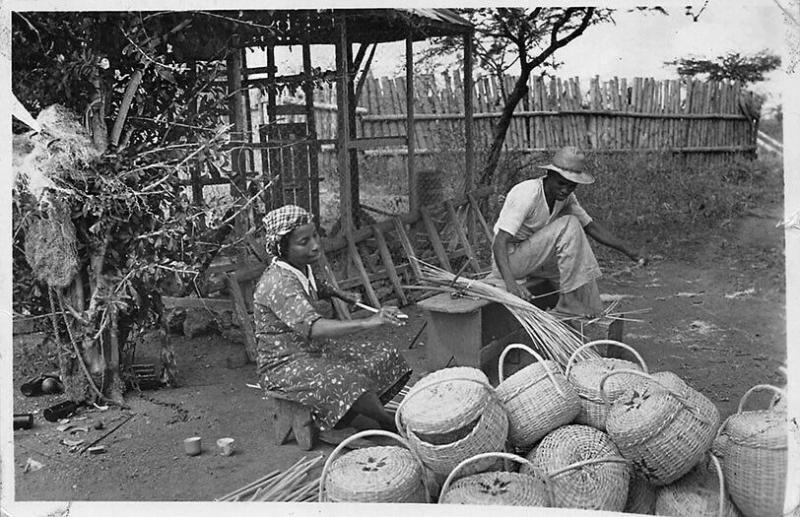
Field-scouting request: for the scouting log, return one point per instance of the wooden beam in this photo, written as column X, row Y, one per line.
column 271, row 102
column 342, row 130
column 487, row 230
column 451, row 211
column 356, row 257
column 469, row 165
column 377, row 142
column 311, row 125
column 413, row 195
column 339, row 305
column 407, row 247
column 436, row 241
column 355, row 187
column 388, row 263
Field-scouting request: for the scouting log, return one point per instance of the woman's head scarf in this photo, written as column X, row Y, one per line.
column 282, row 221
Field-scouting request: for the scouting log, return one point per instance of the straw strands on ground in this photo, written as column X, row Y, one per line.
column 554, row 339
column 294, row 485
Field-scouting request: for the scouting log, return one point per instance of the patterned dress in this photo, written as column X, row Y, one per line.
column 327, row 375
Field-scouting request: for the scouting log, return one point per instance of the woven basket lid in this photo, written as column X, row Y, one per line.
column 374, row 474
column 526, row 377
column 694, row 495
column 498, row 488
column 586, row 375
column 641, row 407
column 758, row 429
column 447, row 406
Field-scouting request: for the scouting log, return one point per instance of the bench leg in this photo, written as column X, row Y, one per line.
column 289, row 417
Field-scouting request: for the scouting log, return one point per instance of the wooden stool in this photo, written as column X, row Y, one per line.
column 290, row 417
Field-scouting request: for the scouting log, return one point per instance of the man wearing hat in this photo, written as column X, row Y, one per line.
column 541, row 232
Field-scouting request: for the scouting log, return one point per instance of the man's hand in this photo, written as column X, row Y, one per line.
column 518, row 290
column 351, row 297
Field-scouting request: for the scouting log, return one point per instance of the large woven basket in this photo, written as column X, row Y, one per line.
column 641, row 495
column 754, row 452
column 538, row 399
column 583, row 469
column 585, row 375
column 451, row 415
column 385, row 474
column 663, row 430
column 700, row 493
column 497, row 487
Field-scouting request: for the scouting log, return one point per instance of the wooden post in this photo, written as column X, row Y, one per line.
column 468, row 137
column 271, row 101
column 351, row 124
column 197, row 186
column 342, row 131
column 413, row 198
column 238, row 116
column 311, row 129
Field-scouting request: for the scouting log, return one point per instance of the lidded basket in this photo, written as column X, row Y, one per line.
column 583, row 468
column 381, row 474
column 585, row 376
column 538, row 399
column 754, row 448
column 451, row 415
column 496, row 487
column 700, row 493
column 662, row 429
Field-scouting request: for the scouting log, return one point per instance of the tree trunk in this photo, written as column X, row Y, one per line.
column 518, row 93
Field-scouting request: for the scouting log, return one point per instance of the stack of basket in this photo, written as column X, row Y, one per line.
column 451, row 415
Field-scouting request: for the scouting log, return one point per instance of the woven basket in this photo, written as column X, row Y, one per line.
column 450, row 418
column 373, row 474
column 585, row 376
column 583, row 469
column 538, row 399
column 641, row 495
column 755, row 457
column 697, row 494
column 496, row 488
column 662, row 430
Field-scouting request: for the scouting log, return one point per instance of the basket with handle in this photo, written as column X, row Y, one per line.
column 662, row 430
column 538, row 399
column 496, row 487
column 380, row 474
column 583, row 468
column 585, row 376
column 452, row 417
column 697, row 494
column 755, row 457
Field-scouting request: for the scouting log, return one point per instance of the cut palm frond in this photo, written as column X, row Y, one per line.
column 552, row 337
column 293, row 485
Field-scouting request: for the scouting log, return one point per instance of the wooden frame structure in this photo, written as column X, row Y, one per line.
column 342, row 28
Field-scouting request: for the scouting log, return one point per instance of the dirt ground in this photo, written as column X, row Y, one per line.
column 716, row 318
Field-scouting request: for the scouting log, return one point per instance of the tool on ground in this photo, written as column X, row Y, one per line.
column 23, row 420
column 108, row 433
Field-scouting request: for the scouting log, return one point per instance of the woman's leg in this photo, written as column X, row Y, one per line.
column 370, row 406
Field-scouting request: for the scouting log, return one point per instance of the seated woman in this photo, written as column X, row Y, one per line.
column 297, row 353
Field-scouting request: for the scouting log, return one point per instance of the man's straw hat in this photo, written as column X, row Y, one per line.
column 569, row 162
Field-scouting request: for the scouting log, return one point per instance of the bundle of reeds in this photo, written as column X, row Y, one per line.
column 553, row 338
column 296, row 484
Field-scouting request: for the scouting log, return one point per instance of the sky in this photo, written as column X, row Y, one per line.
column 636, row 45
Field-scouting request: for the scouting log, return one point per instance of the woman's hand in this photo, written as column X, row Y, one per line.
column 388, row 314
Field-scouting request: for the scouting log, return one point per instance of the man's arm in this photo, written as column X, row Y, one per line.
column 500, row 251
column 602, row 235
